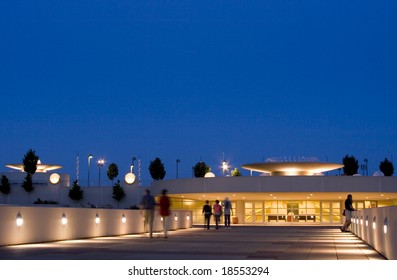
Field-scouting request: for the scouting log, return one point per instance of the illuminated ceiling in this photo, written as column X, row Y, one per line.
column 41, row 168
column 292, row 168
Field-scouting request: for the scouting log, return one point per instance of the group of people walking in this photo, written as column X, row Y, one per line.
column 217, row 210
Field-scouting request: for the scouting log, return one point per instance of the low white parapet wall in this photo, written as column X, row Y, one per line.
column 378, row 228
column 44, row 224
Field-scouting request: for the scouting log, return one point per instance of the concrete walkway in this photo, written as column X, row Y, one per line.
column 238, row 243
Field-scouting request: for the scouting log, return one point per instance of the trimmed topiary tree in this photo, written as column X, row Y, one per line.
column 200, row 169
column 386, row 167
column 30, row 161
column 118, row 192
column 112, row 172
column 350, row 165
column 76, row 193
column 156, row 169
column 5, row 186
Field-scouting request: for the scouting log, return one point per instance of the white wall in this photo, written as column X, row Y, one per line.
column 369, row 225
column 43, row 224
column 338, row 184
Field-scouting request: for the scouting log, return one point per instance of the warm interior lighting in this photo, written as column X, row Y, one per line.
column 97, row 219
column 55, row 178
column 374, row 223
column 123, row 219
column 188, row 217
column 129, row 178
column 19, row 220
column 366, row 221
column 176, row 217
column 64, row 220
column 209, row 175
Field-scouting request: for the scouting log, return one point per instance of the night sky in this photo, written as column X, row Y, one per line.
column 197, row 80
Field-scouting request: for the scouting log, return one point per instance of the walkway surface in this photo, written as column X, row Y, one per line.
column 238, row 243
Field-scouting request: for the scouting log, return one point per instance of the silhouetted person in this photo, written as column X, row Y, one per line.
column 207, row 214
column 164, row 205
column 348, row 213
column 147, row 205
column 227, row 209
column 217, row 213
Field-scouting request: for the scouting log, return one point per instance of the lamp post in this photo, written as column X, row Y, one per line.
column 366, row 166
column 100, row 164
column 89, row 162
column 177, row 163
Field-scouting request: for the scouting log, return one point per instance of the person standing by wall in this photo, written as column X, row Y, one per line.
column 227, row 210
column 147, row 205
column 207, row 214
column 217, row 213
column 348, row 213
column 164, row 205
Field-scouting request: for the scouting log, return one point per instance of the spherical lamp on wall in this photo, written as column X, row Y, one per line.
column 55, row 178
column 129, row 178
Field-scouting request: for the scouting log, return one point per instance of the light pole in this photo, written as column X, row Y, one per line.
column 177, row 163
column 100, row 164
column 366, row 166
column 89, row 162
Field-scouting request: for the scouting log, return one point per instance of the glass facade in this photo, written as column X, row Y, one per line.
column 273, row 211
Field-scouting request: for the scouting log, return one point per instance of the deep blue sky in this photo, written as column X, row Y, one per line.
column 196, row 79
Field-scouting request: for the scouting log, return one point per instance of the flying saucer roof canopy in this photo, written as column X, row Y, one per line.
column 41, row 168
column 292, row 168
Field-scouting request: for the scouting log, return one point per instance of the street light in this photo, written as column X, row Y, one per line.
column 224, row 167
column 100, row 164
column 89, row 161
column 177, row 163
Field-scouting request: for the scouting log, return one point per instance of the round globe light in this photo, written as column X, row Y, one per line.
column 209, row 175
column 129, row 178
column 55, row 178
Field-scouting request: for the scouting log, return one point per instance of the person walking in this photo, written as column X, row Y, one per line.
column 227, row 210
column 207, row 214
column 217, row 213
column 148, row 205
column 348, row 213
column 164, row 208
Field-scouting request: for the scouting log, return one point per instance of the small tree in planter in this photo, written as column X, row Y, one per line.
column 112, row 172
column 118, row 192
column 236, row 172
column 76, row 193
column 156, row 169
